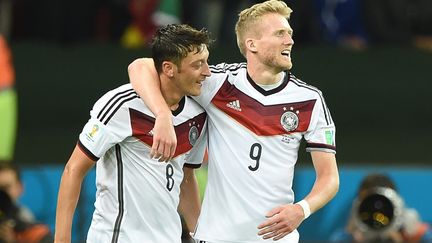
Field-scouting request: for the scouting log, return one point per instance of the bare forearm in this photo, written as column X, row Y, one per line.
column 322, row 192
column 70, row 187
column 326, row 184
column 68, row 195
column 190, row 203
column 145, row 81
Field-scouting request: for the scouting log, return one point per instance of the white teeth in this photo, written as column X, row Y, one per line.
column 286, row 52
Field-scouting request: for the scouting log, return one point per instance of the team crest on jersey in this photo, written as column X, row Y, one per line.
column 289, row 121
column 193, row 135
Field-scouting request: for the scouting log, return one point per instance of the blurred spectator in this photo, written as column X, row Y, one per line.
column 379, row 215
column 17, row 223
column 225, row 12
column 386, row 21
column 147, row 16
column 7, row 234
column 8, row 100
column 305, row 21
column 422, row 23
column 112, row 17
column 399, row 22
column 341, row 23
column 5, row 17
column 196, row 13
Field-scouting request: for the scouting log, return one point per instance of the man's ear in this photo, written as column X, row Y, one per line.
column 168, row 68
column 251, row 45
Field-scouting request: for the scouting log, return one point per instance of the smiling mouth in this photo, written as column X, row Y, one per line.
column 286, row 53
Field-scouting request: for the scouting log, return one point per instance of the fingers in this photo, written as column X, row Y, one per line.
column 163, row 151
column 280, row 236
column 270, row 226
column 268, row 223
column 172, row 150
column 276, row 231
column 154, row 149
column 272, row 215
column 166, row 153
column 280, row 223
column 274, row 211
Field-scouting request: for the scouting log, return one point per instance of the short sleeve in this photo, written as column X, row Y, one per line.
column 321, row 134
column 99, row 136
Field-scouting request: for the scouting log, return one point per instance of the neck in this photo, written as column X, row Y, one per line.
column 263, row 75
column 170, row 94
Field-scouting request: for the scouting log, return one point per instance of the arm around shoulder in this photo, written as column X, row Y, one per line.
column 145, row 80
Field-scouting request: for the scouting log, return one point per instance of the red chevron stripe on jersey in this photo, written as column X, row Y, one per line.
column 270, row 122
column 142, row 124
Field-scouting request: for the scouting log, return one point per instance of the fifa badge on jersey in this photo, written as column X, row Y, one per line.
column 329, row 135
column 93, row 132
column 289, row 120
column 193, row 133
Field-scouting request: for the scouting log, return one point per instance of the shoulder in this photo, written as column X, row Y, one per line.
column 232, row 68
column 113, row 100
column 117, row 95
column 193, row 107
column 302, row 85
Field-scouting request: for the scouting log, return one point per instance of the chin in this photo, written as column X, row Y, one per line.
column 287, row 66
column 195, row 93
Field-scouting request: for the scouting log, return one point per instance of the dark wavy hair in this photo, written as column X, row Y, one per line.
column 175, row 41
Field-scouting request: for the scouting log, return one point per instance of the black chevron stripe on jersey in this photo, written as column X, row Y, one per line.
column 110, row 100
column 300, row 83
column 114, row 104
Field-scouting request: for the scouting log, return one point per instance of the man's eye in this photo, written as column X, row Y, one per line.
column 199, row 64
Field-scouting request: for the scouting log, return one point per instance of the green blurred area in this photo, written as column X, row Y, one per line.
column 379, row 98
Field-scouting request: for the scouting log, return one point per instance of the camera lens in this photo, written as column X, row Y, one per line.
column 376, row 211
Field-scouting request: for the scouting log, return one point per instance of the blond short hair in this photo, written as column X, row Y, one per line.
column 249, row 17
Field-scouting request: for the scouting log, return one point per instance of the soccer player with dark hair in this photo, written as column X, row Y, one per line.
column 137, row 197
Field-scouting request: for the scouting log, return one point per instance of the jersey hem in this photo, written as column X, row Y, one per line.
column 194, row 166
column 87, row 152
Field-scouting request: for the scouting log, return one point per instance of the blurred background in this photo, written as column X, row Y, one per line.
column 371, row 58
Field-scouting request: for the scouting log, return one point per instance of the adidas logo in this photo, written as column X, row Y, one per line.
column 234, row 105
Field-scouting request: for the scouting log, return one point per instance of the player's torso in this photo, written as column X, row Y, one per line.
column 254, row 137
column 137, row 196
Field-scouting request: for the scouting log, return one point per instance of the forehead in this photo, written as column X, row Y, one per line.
column 194, row 55
column 272, row 22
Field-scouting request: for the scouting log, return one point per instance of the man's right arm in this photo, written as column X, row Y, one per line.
column 145, row 80
column 70, row 187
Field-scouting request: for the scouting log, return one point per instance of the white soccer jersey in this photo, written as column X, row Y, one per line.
column 137, row 197
column 254, row 137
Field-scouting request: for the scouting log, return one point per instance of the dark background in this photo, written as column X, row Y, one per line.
column 379, row 98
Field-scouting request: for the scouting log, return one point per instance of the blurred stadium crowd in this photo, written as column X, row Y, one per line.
column 354, row 24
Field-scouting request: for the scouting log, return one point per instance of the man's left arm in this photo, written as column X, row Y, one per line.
column 327, row 180
column 190, row 203
column 286, row 218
